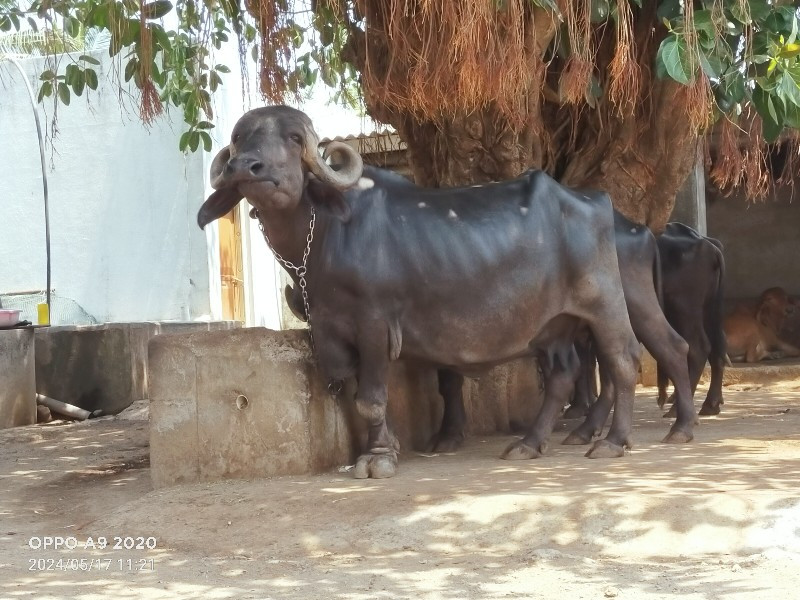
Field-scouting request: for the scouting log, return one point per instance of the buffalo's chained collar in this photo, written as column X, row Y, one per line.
column 301, row 270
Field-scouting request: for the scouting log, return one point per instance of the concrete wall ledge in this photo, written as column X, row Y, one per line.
column 17, row 379
column 102, row 366
column 249, row 403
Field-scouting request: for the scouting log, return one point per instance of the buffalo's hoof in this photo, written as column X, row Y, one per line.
column 446, row 442
column 575, row 412
column 678, row 436
column 519, row 450
column 662, row 400
column 378, row 464
column 671, row 413
column 709, row 409
column 605, row 449
column 579, row 437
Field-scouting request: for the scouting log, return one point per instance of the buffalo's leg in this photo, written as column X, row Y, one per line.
column 662, row 381
column 619, row 352
column 560, row 370
column 716, row 357
column 380, row 460
column 699, row 348
column 711, row 405
column 454, row 417
column 670, row 351
column 585, row 390
column 595, row 420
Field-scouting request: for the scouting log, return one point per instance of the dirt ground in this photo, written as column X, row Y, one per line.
column 717, row 518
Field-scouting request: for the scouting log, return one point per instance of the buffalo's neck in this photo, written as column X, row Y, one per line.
column 287, row 231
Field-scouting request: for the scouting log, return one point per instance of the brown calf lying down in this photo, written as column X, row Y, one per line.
column 753, row 333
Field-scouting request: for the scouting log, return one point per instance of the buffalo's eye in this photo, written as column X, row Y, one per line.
column 296, row 138
column 234, row 138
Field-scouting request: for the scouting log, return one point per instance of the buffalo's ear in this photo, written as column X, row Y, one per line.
column 326, row 197
column 218, row 204
column 218, row 167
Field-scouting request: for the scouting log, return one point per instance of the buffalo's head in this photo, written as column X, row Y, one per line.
column 272, row 160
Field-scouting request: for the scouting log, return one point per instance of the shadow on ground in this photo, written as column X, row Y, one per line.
column 717, row 518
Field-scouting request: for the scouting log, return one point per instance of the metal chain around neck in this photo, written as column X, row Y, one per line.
column 301, row 270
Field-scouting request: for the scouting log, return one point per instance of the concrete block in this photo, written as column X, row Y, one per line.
column 239, row 404
column 102, row 366
column 249, row 403
column 17, row 378
column 648, row 370
column 506, row 399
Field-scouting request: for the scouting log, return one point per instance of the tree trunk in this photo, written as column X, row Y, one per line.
column 641, row 165
column 639, row 155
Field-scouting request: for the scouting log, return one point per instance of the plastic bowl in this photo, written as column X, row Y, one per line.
column 8, row 317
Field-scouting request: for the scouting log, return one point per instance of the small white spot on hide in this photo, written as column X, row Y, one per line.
column 422, row 205
column 523, row 210
column 587, row 197
column 633, row 229
column 364, row 183
column 452, row 214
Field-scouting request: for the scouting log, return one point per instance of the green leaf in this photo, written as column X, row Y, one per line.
column 771, row 130
column 79, row 83
column 70, row 74
column 63, row 92
column 194, row 140
column 673, row 56
column 47, row 75
column 206, row 141
column 130, row 69
column 760, row 10
column 325, row 35
column 91, row 79
column 793, row 116
column 45, row 91
column 184, row 141
column 669, row 9
column 89, row 59
column 788, row 90
column 215, row 81
column 157, row 9
column 789, row 50
column 222, row 68
column 704, row 24
column 600, row 10
column 770, row 109
column 712, row 65
column 72, row 27
column 735, row 87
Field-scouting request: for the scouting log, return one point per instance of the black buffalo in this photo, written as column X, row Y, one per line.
column 461, row 278
column 640, row 274
column 693, row 274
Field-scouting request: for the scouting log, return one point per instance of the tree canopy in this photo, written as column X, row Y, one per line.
column 613, row 94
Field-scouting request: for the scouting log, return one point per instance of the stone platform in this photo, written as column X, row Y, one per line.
column 249, row 404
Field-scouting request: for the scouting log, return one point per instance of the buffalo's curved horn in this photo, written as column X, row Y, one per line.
column 346, row 176
column 218, row 167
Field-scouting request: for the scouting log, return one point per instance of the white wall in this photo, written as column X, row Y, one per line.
column 123, row 203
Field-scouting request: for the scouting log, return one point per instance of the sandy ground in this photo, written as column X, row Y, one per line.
column 718, row 518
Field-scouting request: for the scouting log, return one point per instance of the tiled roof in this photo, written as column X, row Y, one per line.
column 371, row 143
